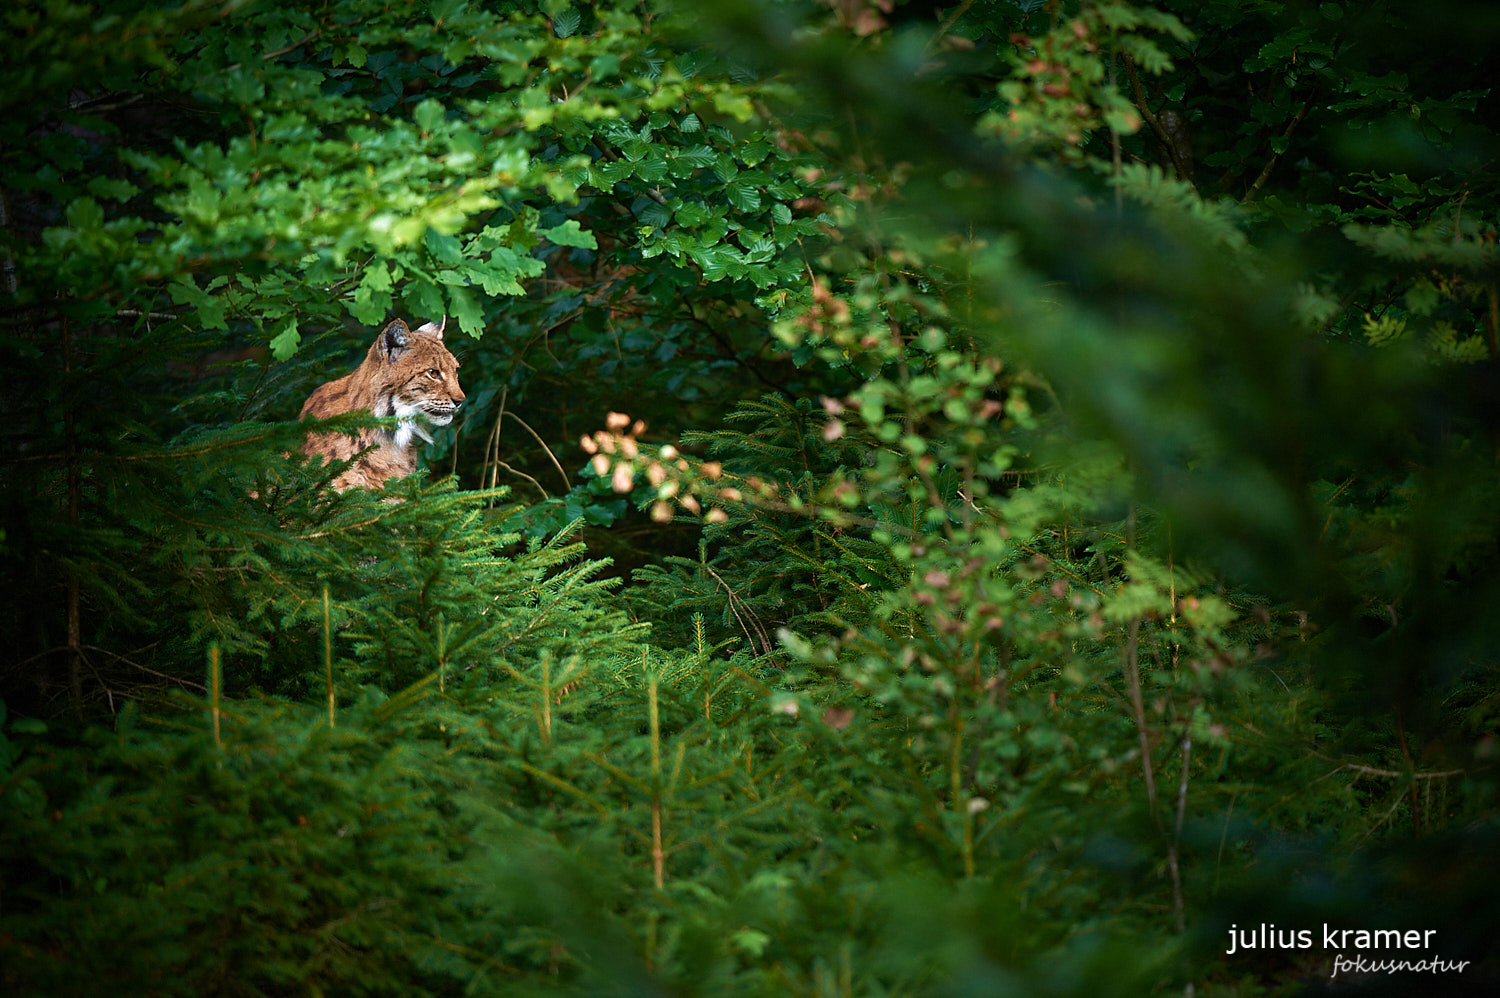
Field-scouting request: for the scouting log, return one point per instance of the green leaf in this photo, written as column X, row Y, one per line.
column 750, row 941
column 113, row 188
column 656, row 214
column 284, row 344
column 753, row 153
column 744, row 196
column 85, row 215
column 244, row 86
column 565, row 23
column 464, row 307
column 372, row 299
column 444, row 249
column 691, row 215
column 1422, row 298
column 424, row 299
column 211, row 309
column 203, row 200
column 569, row 233
column 443, row 11
column 734, row 104
column 429, row 115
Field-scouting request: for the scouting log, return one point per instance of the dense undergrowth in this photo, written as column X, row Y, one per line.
column 966, row 501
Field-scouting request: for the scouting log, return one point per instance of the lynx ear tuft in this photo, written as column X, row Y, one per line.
column 428, row 327
column 395, row 339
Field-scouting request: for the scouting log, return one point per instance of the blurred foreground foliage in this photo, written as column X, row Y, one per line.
column 952, row 500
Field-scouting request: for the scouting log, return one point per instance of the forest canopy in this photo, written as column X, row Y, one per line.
column 992, row 497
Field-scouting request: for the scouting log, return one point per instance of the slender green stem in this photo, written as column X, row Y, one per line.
column 546, row 698
column 956, row 791
column 213, row 691
column 328, row 655
column 658, row 857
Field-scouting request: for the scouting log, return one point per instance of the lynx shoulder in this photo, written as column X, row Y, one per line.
column 407, row 373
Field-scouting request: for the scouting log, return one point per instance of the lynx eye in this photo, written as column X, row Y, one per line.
column 433, row 372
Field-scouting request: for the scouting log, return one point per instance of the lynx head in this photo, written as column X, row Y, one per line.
column 413, row 374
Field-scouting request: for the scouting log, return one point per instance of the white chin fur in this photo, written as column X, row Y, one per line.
column 406, row 431
column 411, row 426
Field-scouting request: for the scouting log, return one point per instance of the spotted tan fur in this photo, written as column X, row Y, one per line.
column 407, row 373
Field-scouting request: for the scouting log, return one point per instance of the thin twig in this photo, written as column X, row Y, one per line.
column 1265, row 174
column 760, row 632
column 1223, row 838
column 1138, row 709
column 101, row 104
column 945, row 27
column 1383, row 818
column 277, row 53
column 1150, row 116
column 520, row 474
column 1388, row 774
column 187, row 683
column 135, row 313
column 295, row 45
column 555, row 462
column 492, row 442
column 1182, row 789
